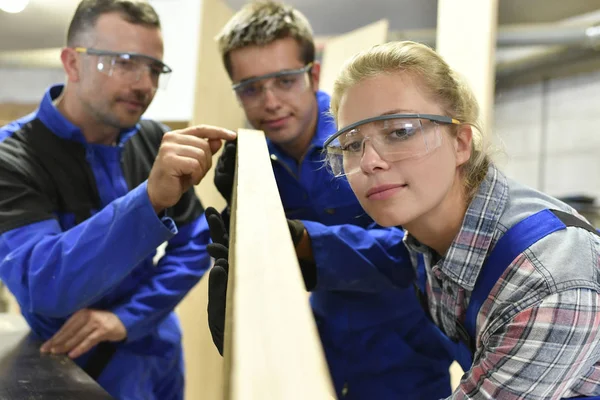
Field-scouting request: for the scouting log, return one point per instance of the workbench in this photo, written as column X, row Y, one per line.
column 26, row 374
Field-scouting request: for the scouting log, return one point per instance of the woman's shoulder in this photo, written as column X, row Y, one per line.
column 524, row 201
column 563, row 257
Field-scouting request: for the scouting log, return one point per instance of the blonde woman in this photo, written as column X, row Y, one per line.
column 523, row 309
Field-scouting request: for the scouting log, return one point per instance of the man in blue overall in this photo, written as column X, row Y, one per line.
column 378, row 344
column 87, row 194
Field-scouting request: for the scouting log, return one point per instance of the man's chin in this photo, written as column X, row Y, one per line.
column 279, row 136
column 129, row 120
column 123, row 123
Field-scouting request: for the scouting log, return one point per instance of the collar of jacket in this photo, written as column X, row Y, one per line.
column 61, row 126
column 325, row 126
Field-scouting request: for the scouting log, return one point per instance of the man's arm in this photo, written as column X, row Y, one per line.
column 538, row 352
column 184, row 263
column 344, row 257
column 351, row 258
column 56, row 273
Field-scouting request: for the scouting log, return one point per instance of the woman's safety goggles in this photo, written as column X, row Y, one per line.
column 130, row 67
column 285, row 85
column 394, row 137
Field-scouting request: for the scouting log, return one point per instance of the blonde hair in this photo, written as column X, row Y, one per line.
column 262, row 22
column 437, row 78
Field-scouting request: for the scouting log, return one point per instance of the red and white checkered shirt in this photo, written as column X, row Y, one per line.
column 537, row 332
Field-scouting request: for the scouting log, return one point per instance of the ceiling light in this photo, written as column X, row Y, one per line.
column 13, row 6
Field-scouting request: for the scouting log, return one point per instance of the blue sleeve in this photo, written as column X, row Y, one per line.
column 185, row 261
column 352, row 258
column 55, row 273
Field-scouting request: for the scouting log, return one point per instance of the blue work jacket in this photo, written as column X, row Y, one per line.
column 77, row 230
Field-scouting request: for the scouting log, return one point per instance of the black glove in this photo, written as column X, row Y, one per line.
column 308, row 268
column 296, row 230
column 225, row 170
column 217, row 277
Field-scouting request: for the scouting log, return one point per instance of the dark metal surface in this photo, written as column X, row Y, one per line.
column 26, row 374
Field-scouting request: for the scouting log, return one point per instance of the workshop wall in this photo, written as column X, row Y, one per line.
column 550, row 131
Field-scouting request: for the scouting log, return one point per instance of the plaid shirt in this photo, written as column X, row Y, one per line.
column 537, row 333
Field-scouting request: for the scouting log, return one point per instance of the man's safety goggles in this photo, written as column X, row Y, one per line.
column 130, row 67
column 284, row 84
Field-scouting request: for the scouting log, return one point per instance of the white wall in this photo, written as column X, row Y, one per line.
column 551, row 133
column 27, row 85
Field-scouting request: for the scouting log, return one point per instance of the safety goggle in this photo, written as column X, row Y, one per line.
column 130, row 67
column 394, row 137
column 283, row 84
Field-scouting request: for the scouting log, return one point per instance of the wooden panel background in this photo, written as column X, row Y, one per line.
column 340, row 48
column 12, row 111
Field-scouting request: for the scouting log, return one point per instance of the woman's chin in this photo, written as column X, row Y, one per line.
column 389, row 218
column 391, row 212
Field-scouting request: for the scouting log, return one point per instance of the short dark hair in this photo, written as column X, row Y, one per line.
column 88, row 11
column 262, row 22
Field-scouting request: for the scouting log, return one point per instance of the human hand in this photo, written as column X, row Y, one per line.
column 225, row 170
column 183, row 159
column 84, row 330
column 217, row 277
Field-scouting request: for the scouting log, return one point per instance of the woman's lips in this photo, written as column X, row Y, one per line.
column 383, row 192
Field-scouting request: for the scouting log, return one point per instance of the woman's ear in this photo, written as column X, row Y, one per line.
column 463, row 144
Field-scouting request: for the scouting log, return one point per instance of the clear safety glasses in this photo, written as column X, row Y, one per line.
column 394, row 137
column 285, row 85
column 130, row 67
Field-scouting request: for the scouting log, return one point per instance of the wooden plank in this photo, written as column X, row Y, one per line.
column 340, row 48
column 272, row 348
column 214, row 104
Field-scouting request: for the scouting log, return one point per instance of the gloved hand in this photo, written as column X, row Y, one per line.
column 218, row 275
column 225, row 170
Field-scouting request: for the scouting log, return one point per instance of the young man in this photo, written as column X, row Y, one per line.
column 379, row 344
column 87, row 193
